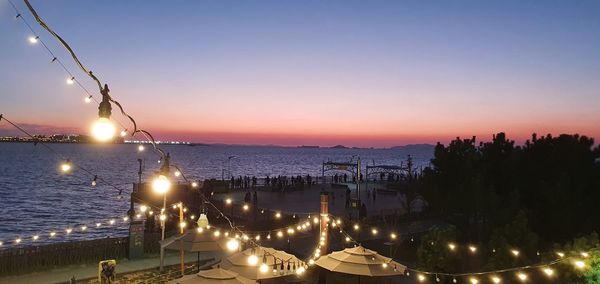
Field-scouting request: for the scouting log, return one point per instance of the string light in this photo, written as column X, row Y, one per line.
column 194, row 184
column 233, row 245
column 579, row 264
column 473, row 249
column 228, row 201
column 515, row 252
column 522, row 276
column 548, row 271
column 264, row 268
column 123, row 133
column 177, row 173
column 496, row 279
column 33, row 39
column 141, row 148
column 252, row 260
column 88, row 99
column 451, row 246
column 277, row 215
column 392, row 236
column 65, row 167
column 421, row 277
column 70, row 80
column 245, row 207
column 473, row 280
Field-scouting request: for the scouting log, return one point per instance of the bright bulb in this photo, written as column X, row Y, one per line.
column 162, row 217
column 88, row 99
column 228, row 201
column 141, row 148
column 103, row 129
column 451, row 246
column 277, row 215
column 177, row 173
column 233, row 245
column 515, row 252
column 161, row 184
column 194, row 184
column 245, row 207
column 356, row 227
column 316, row 220
column 496, row 279
column 579, row 264
column 33, row 39
column 217, row 233
column 522, row 276
column 65, row 167
column 549, row 272
column 143, row 208
column 36, row 237
column 473, row 280
column 252, row 260
column 264, row 268
column 123, row 133
column 71, row 81
column 421, row 278
column 393, row 236
column 472, row 248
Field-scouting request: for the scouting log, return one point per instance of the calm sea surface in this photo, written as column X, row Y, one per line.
column 35, row 198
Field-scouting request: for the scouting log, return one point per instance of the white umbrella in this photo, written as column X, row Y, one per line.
column 270, row 263
column 360, row 261
column 213, row 276
column 194, row 241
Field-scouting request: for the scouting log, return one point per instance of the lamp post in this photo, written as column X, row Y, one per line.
column 161, row 185
column 229, row 165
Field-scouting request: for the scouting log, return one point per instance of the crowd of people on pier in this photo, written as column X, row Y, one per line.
column 277, row 182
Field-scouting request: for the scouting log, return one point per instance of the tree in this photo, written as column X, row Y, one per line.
column 433, row 253
column 515, row 236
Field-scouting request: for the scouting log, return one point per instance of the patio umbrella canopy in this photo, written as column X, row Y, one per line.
column 239, row 262
column 213, row 276
column 360, row 261
column 193, row 241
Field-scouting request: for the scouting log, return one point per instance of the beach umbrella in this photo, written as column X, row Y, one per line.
column 262, row 263
column 213, row 276
column 194, row 241
column 360, row 261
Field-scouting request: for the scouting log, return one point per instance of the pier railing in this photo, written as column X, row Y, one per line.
column 20, row 260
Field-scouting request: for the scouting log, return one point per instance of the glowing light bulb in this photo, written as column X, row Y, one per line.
column 473, row 249
column 252, row 260
column 125, row 219
column 245, row 207
column 228, row 201
column 143, row 208
column 194, row 184
column 65, row 167
column 112, row 221
column 68, row 231
column 98, row 225
column 384, row 265
column 316, row 220
column 356, row 227
column 33, row 39
column 17, row 241
column 347, row 239
column 451, row 246
column 103, row 129
column 123, row 133
column 264, row 268
column 496, row 279
column 233, row 245
column 177, row 173
column 515, row 252
column 71, row 81
column 374, row 231
column 36, row 237
column 52, row 234
column 522, row 276
column 421, row 277
column 392, row 236
column 300, row 270
column 585, row 254
column 83, row 228
column 548, row 271
column 141, row 148
column 311, row 262
column 88, row 99
column 257, row 237
column 280, row 234
column 579, row 264
column 277, row 215
column 162, row 217
column 473, row 280
column 290, row 231
column 161, row 184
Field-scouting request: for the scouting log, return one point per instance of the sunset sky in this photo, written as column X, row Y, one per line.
column 358, row 73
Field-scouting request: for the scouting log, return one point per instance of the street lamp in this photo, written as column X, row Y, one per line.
column 161, row 185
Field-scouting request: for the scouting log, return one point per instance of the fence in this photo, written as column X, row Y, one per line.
column 27, row 259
